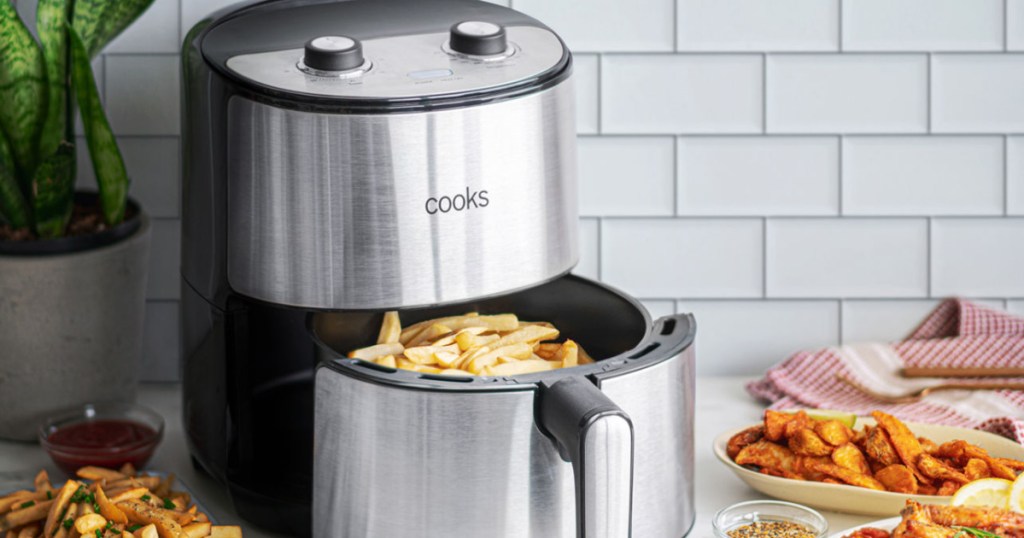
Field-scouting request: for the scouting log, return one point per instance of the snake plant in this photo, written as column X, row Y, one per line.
column 42, row 84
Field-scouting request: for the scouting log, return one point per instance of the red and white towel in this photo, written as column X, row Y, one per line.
column 957, row 333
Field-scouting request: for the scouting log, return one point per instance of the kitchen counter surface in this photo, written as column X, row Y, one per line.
column 722, row 404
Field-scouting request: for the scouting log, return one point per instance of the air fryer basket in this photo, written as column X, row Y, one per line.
column 603, row 321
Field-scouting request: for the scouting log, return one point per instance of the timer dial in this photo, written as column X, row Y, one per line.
column 478, row 38
column 333, row 53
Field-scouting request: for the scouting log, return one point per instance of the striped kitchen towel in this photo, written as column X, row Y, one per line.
column 957, row 333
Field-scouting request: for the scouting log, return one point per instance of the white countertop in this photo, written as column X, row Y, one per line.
column 722, row 404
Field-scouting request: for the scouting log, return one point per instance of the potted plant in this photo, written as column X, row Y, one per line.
column 72, row 264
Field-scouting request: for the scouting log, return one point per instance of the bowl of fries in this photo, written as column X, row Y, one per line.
column 872, row 469
column 107, row 503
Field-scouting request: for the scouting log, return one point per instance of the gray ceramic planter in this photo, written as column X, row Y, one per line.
column 70, row 329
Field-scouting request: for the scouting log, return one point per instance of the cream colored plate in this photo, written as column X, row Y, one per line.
column 884, row 524
column 857, row 500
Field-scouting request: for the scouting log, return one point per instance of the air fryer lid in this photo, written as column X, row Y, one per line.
column 611, row 326
column 385, row 52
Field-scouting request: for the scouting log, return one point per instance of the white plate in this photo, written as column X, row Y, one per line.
column 857, row 500
column 884, row 524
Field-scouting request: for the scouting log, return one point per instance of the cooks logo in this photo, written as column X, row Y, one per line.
column 459, row 202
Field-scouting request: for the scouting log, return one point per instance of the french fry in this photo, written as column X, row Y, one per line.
column 29, row 531
column 530, row 333
column 379, row 350
column 128, row 469
column 60, row 503
column 125, row 494
column 7, row 501
column 517, row 351
column 197, row 530
column 108, row 509
column 528, row 366
column 99, row 473
column 225, row 531
column 149, row 482
column 37, row 511
column 42, row 482
column 140, row 512
column 163, row 489
column 390, row 330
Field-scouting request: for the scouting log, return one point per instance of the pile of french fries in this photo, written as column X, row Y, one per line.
column 106, row 504
column 471, row 344
column 886, row 457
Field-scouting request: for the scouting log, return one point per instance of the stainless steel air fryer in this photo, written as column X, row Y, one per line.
column 346, row 158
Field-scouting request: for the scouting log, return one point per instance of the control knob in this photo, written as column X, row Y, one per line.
column 478, row 38
column 333, row 53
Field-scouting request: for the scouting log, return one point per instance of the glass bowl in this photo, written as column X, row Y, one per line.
column 749, row 512
column 102, row 434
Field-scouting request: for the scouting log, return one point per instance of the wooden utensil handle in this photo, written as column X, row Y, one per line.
column 942, row 371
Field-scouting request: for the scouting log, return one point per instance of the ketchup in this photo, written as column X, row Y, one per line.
column 105, row 443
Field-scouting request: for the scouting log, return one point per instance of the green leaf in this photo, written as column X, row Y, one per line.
column 111, row 175
column 51, row 25
column 22, row 90
column 99, row 21
column 13, row 208
column 53, row 187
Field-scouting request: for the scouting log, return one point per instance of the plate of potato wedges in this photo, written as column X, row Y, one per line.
column 107, row 503
column 870, row 467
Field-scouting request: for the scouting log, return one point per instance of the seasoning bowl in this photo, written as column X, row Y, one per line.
column 108, row 434
column 747, row 513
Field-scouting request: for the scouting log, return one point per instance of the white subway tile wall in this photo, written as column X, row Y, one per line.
column 796, row 172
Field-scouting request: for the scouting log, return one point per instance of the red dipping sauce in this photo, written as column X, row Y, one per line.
column 101, row 441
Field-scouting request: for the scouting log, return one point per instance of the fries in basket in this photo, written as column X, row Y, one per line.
column 106, row 504
column 471, row 344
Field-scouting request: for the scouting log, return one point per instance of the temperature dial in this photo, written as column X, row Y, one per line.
column 333, row 53
column 478, row 38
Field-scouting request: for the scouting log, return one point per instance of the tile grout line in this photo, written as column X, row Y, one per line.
column 928, row 94
column 764, row 257
column 928, row 250
column 600, row 247
column 1006, row 25
column 840, row 316
column 839, row 45
column 1006, row 176
column 600, row 93
column 676, row 176
column 841, row 194
column 764, row 93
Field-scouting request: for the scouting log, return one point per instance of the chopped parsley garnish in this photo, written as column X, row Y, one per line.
column 99, row 533
column 49, row 495
column 145, row 498
column 134, row 528
column 68, row 523
column 28, row 504
column 168, row 504
column 971, row 531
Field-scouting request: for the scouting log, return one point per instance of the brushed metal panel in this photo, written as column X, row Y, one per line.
column 411, row 463
column 395, row 61
column 607, row 465
column 330, row 210
column 659, row 401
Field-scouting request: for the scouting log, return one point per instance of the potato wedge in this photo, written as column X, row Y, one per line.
column 140, row 512
column 108, row 509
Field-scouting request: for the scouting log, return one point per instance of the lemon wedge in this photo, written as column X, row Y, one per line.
column 1016, row 501
column 994, row 492
column 830, row 414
